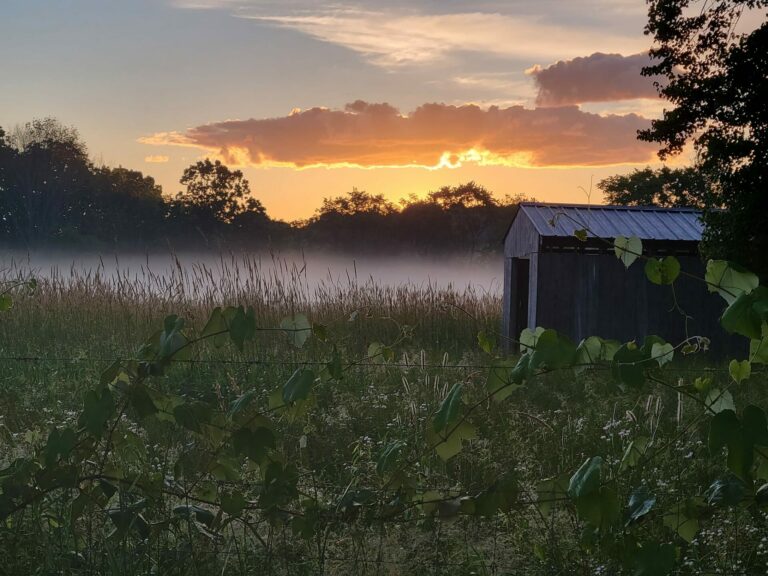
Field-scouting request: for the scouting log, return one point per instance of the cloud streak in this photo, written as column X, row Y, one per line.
column 596, row 78
column 396, row 38
column 432, row 136
column 156, row 159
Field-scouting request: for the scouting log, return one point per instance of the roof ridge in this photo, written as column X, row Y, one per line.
column 644, row 208
column 608, row 221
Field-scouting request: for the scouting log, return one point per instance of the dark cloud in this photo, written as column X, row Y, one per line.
column 371, row 135
column 596, row 78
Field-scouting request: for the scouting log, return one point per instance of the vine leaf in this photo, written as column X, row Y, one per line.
column 589, row 352
column 242, row 325
column 171, row 338
column 598, row 505
column 550, row 492
column 628, row 365
column 729, row 280
column 640, row 503
column 601, row 509
column 298, row 386
column 662, row 353
column 552, row 350
column 59, row 445
column 723, row 429
column 740, row 436
column 97, row 409
column 141, row 401
column 727, row 491
column 586, row 479
column 506, row 376
column 627, row 249
column 740, row 371
column 109, row 375
column 241, row 403
column 298, row 329
column 683, row 518
column 379, row 353
column 193, row 415
column 487, row 341
column 253, row 443
column 634, row 452
column 528, row 338
column 662, row 271
column 449, row 408
column 717, row 401
column 500, row 496
column 233, row 503
column 745, row 315
column 758, row 347
column 216, row 328
column 452, row 443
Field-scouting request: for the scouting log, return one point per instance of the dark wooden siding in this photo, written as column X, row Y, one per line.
column 583, row 294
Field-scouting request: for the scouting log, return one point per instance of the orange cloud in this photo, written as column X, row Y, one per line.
column 432, row 136
column 156, row 159
column 596, row 78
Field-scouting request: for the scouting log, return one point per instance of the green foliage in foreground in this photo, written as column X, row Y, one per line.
column 342, row 462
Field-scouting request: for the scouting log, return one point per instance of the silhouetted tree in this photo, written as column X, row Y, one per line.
column 7, row 155
column 665, row 187
column 216, row 202
column 475, row 220
column 356, row 202
column 717, row 82
column 129, row 207
column 48, row 193
column 214, row 191
column 469, row 195
column 463, row 218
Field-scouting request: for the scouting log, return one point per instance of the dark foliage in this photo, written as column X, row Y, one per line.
column 665, row 187
column 717, row 81
column 463, row 218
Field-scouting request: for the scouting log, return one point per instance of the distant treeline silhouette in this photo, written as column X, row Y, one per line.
column 52, row 194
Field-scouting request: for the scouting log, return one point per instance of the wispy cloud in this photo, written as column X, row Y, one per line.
column 596, row 78
column 156, row 159
column 392, row 39
column 500, row 82
column 432, row 136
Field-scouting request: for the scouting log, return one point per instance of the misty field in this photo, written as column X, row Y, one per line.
column 300, row 434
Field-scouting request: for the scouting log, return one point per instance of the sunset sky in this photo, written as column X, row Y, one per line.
column 531, row 97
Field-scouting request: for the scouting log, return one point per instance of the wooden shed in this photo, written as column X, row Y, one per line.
column 554, row 280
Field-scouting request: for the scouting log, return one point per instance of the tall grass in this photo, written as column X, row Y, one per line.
column 103, row 309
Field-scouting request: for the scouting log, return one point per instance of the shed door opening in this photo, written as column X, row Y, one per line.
column 519, row 304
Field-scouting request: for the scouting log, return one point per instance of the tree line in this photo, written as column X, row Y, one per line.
column 52, row 194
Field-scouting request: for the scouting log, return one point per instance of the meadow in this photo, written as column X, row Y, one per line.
column 350, row 426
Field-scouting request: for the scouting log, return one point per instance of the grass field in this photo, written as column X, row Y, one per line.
column 57, row 340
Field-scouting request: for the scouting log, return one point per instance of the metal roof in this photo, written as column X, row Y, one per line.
column 645, row 222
